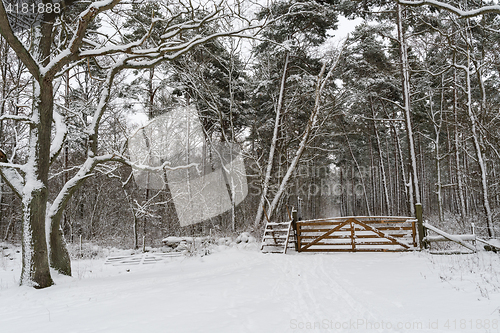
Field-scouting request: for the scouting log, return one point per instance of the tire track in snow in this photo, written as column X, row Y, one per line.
column 312, row 295
column 358, row 307
column 294, row 288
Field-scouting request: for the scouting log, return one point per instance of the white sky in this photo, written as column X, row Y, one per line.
column 345, row 26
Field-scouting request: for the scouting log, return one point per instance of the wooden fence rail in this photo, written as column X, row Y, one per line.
column 357, row 233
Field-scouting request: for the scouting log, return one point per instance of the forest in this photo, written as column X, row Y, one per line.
column 404, row 110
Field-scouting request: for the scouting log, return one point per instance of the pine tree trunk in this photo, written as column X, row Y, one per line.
column 362, row 178
column 382, row 167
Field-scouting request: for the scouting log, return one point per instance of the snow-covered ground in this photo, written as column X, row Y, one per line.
column 241, row 290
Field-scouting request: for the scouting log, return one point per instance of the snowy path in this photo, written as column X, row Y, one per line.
column 245, row 291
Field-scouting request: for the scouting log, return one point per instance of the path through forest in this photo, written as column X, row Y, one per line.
column 242, row 290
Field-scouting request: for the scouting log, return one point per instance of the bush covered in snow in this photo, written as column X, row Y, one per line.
column 245, row 238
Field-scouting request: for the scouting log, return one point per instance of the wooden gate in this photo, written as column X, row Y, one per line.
column 357, row 233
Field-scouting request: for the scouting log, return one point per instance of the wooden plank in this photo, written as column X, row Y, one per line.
column 324, row 222
column 301, row 223
column 349, row 236
column 414, row 233
column 375, row 243
column 316, row 230
column 406, row 229
column 487, row 243
column 444, row 239
column 450, row 237
column 328, row 237
column 449, row 252
column 357, row 250
column 321, row 237
column 287, row 237
column 299, row 236
column 381, row 234
column 277, row 223
column 358, row 244
column 376, row 217
column 353, row 234
column 333, row 244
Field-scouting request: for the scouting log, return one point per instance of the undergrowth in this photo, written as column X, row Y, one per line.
column 480, row 270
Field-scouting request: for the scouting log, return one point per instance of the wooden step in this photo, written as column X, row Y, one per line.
column 276, row 237
column 275, row 230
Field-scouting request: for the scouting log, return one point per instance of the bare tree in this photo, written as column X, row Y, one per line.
column 310, row 128
column 54, row 52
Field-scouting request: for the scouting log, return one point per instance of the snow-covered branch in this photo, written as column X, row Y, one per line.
column 86, row 171
column 141, row 167
column 73, row 49
column 15, row 43
column 10, row 173
column 321, row 82
column 15, row 117
column 11, row 165
column 107, row 50
column 93, row 129
column 391, row 101
column 492, row 9
column 61, row 133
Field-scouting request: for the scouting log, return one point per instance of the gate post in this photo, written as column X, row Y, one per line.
column 294, row 227
column 421, row 229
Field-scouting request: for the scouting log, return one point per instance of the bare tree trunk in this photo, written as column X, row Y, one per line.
column 437, row 155
column 405, row 77
column 270, row 160
column 382, row 167
column 132, row 211
column 360, row 174
column 397, row 186
column 390, row 186
column 372, row 179
column 35, row 264
column 456, row 141
column 479, row 154
column 313, row 118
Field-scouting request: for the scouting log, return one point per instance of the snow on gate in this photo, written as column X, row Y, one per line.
column 357, row 233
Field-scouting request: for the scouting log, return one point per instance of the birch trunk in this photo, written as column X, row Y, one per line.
column 483, row 166
column 405, row 78
column 479, row 154
column 437, row 130
column 313, row 118
column 269, row 167
column 456, row 142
